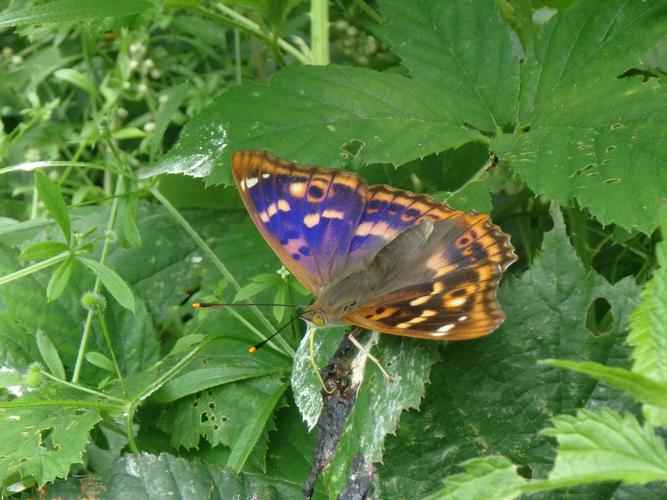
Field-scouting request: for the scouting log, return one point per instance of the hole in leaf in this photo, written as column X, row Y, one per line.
column 525, row 471
column 211, row 405
column 599, row 319
column 352, row 148
column 45, row 438
column 224, row 419
column 203, row 418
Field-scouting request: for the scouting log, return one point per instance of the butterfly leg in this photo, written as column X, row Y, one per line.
column 360, row 346
column 313, row 363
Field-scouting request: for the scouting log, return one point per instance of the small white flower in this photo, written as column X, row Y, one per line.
column 7, row 51
column 17, row 59
column 134, row 64
column 283, row 272
column 148, row 64
column 163, row 98
column 155, row 74
column 149, row 126
column 142, row 88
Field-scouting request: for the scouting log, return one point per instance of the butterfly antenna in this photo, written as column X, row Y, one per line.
column 201, row 305
column 254, row 348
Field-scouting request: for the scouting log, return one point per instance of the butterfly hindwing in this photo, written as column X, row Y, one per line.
column 447, row 288
column 308, row 215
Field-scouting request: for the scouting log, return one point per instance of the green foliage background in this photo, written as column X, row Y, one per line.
column 117, row 211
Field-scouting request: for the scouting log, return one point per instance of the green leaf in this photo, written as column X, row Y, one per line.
column 128, row 215
column 258, row 284
column 23, row 311
column 176, row 96
column 463, row 49
column 589, row 42
column 637, row 386
column 493, row 477
column 54, row 202
column 325, row 115
column 116, row 286
column 78, row 79
column 205, row 378
column 165, row 476
column 59, row 280
column 65, row 11
column 604, row 446
column 380, row 404
column 490, row 396
column 472, row 196
column 612, row 150
column 43, row 250
column 100, row 360
column 221, row 413
column 50, row 355
column 43, row 441
column 648, row 332
column 248, row 438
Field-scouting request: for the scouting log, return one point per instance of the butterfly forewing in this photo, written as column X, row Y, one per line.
column 308, row 215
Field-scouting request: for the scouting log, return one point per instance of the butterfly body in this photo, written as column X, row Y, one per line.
column 374, row 256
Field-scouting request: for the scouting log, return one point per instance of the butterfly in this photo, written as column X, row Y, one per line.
column 377, row 257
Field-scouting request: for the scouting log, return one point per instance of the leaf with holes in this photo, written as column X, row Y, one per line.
column 324, row 115
column 43, row 441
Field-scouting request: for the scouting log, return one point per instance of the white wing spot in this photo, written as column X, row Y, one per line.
column 364, row 228
column 427, row 313
column 463, row 318
column 251, row 181
column 263, row 216
column 456, row 302
column 297, row 189
column 418, row 319
column 420, row 300
column 404, row 325
column 445, row 328
column 272, row 209
column 283, row 206
column 266, row 176
column 333, row 214
column 311, row 220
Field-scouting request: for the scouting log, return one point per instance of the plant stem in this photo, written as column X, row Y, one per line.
column 98, row 284
column 34, row 268
column 319, row 32
column 82, row 388
column 107, row 340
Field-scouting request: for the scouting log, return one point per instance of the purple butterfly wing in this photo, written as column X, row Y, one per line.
column 308, row 215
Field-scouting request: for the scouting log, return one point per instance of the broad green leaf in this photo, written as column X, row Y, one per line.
column 116, row 286
column 490, row 396
column 176, row 96
column 66, row 11
column 257, row 285
column 205, row 378
column 54, row 202
column 78, row 79
column 462, row 48
column 493, row 477
column 44, row 441
column 591, row 41
column 597, row 142
column 100, row 361
column 637, row 386
column 221, row 413
column 380, row 404
column 472, row 196
column 604, row 446
column 50, row 355
column 648, row 333
column 59, row 280
column 327, row 116
column 251, row 434
column 43, row 250
column 166, row 476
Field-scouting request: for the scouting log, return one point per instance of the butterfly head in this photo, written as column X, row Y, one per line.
column 315, row 316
